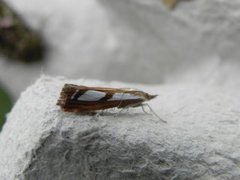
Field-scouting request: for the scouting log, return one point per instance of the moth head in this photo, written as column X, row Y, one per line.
column 149, row 96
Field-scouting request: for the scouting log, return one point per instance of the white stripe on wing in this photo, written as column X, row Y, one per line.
column 92, row 95
column 123, row 96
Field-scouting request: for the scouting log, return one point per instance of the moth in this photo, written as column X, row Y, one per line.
column 74, row 98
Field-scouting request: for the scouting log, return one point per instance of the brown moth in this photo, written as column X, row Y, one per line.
column 74, row 98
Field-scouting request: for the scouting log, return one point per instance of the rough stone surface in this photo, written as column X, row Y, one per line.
column 201, row 139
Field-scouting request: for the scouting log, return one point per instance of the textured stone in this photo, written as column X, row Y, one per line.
column 201, row 139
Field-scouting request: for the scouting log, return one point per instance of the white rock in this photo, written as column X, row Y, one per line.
column 201, row 139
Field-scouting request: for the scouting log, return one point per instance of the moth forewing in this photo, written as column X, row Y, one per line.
column 74, row 98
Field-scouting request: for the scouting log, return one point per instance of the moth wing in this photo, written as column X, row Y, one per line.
column 76, row 98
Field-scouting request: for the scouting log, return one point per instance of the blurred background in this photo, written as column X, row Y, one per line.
column 137, row 41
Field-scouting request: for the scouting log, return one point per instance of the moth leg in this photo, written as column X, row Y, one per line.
column 98, row 114
column 143, row 109
column 149, row 107
column 124, row 109
column 119, row 112
column 120, row 102
column 101, row 112
column 119, row 106
column 95, row 115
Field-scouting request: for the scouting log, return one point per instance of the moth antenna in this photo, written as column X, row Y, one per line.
column 153, row 112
